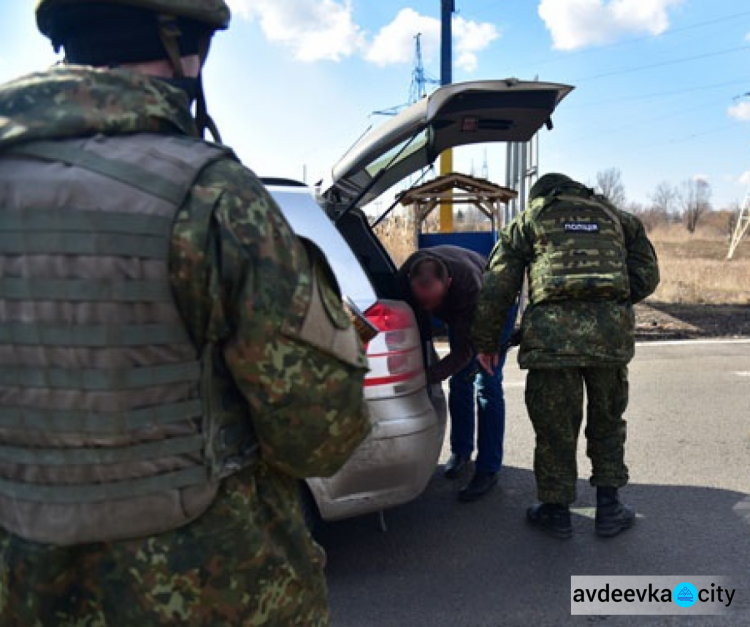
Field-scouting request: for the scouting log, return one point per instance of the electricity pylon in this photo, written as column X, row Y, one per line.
column 420, row 80
column 741, row 228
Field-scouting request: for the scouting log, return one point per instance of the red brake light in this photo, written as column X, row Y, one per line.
column 388, row 318
column 395, row 354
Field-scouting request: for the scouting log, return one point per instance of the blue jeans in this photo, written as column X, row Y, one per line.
column 464, row 387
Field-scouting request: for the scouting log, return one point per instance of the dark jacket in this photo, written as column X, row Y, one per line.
column 459, row 307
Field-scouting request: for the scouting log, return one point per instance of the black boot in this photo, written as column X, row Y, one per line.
column 612, row 517
column 551, row 518
column 480, row 484
column 454, row 466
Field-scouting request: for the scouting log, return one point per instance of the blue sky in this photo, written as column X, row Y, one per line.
column 293, row 83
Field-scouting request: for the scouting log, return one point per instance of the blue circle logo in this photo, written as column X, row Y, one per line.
column 685, row 594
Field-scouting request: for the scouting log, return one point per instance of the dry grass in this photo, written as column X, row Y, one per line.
column 398, row 236
column 694, row 269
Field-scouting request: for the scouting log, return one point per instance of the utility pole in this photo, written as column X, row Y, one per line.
column 448, row 8
column 522, row 170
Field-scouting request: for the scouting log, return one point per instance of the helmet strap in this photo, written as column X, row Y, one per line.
column 202, row 120
column 170, row 34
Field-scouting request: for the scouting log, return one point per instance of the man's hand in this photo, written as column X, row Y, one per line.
column 489, row 361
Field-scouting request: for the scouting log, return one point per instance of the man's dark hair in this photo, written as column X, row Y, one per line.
column 428, row 268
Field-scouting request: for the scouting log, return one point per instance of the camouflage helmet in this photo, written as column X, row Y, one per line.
column 549, row 183
column 214, row 14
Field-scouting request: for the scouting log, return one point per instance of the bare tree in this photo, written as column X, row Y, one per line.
column 634, row 207
column 609, row 184
column 695, row 201
column 663, row 198
column 650, row 216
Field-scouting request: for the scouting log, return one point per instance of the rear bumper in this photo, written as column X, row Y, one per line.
column 393, row 465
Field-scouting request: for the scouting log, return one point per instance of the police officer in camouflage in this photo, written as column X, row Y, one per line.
column 173, row 360
column 587, row 263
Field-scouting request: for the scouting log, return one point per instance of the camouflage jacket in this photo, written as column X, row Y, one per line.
column 573, row 333
column 237, row 270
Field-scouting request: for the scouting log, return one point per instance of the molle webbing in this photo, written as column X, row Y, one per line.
column 98, row 376
column 118, row 170
column 580, row 251
column 88, row 290
column 92, row 379
column 112, row 423
column 103, row 492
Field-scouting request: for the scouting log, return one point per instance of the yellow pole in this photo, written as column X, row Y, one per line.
column 446, row 207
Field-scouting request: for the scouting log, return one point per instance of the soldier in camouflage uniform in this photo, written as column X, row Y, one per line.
column 173, row 360
column 588, row 263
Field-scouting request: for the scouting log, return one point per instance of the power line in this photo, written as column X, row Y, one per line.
column 643, row 123
column 626, row 42
column 704, row 135
column 662, row 94
column 713, row 131
column 651, row 66
column 667, row 33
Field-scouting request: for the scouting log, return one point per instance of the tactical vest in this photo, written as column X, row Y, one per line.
column 112, row 425
column 579, row 251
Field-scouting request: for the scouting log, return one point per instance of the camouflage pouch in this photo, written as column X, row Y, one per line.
column 323, row 414
column 321, row 319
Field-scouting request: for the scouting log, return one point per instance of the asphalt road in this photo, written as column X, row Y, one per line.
column 442, row 562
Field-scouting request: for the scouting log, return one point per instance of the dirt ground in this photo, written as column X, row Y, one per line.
column 658, row 321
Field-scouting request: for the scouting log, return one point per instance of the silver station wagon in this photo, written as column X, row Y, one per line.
column 394, row 465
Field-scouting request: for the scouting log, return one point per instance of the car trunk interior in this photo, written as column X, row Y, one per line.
column 371, row 253
column 379, row 266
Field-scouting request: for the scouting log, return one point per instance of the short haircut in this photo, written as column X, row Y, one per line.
column 428, row 268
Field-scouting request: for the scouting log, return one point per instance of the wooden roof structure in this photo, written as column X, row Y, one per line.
column 486, row 196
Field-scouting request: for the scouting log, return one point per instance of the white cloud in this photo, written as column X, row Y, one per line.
column 240, row 8
column 394, row 43
column 313, row 29
column 471, row 38
column 325, row 30
column 744, row 179
column 740, row 111
column 580, row 23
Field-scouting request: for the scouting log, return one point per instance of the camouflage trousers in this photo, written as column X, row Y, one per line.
column 247, row 561
column 554, row 399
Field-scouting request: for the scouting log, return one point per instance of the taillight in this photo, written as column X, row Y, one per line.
column 395, row 354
